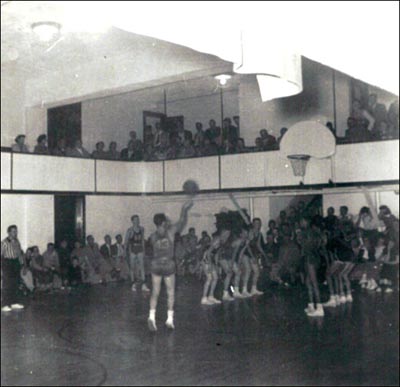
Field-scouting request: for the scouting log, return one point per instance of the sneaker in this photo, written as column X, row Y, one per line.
column 152, row 325
column 256, row 292
column 17, row 307
column 245, row 294
column 133, row 288
column 389, row 290
column 372, row 285
column 330, row 304
column 206, row 301
column 227, row 297
column 310, row 308
column 238, row 295
column 6, row 309
column 214, row 300
column 319, row 312
column 349, row 298
column 145, row 288
column 342, row 299
column 170, row 324
column 378, row 290
column 337, row 299
column 363, row 279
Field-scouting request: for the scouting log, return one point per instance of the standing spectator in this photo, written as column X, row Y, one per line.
column 236, row 120
column 377, row 110
column 240, row 146
column 41, row 147
column 157, row 135
column 118, row 252
column 113, row 153
column 393, row 119
column 107, row 253
column 282, row 133
column 268, row 141
column 148, row 137
column 60, row 149
column 99, row 153
column 229, row 132
column 19, row 145
column 64, row 255
column 199, row 136
column 129, row 152
column 78, row 150
column 26, row 272
column 214, row 133
column 358, row 113
column 258, row 145
column 52, row 263
column 11, row 258
column 41, row 274
column 331, row 222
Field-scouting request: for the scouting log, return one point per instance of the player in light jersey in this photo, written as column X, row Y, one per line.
column 163, row 264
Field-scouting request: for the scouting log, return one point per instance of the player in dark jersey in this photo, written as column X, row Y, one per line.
column 225, row 254
column 210, row 269
column 241, row 265
column 134, row 251
column 163, row 264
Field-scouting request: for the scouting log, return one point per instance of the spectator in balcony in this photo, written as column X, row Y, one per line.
column 358, row 130
column 100, row 153
column 148, row 137
column 282, row 133
column 187, row 150
column 383, row 132
column 213, row 133
column 228, row 148
column 199, row 136
column 393, row 119
column 41, row 147
column 236, row 120
column 157, row 135
column 259, row 146
column 359, row 114
column 78, row 150
column 163, row 151
column 61, row 148
column 229, row 132
column 130, row 153
column 19, row 145
column 209, row 148
column 148, row 152
column 136, row 142
column 113, row 153
column 240, row 146
column 330, row 126
column 268, row 141
column 376, row 110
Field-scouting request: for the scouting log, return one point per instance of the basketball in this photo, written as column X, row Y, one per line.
column 190, row 187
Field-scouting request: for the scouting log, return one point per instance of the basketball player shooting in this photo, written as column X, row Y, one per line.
column 163, row 265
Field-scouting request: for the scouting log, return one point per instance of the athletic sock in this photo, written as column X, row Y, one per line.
column 170, row 316
column 152, row 315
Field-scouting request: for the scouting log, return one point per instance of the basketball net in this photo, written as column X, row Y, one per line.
column 299, row 164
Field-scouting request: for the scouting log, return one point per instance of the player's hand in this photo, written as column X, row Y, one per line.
column 188, row 205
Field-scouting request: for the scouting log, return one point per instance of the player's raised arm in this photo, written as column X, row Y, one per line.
column 181, row 223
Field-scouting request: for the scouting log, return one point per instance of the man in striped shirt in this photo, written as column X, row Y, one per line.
column 11, row 259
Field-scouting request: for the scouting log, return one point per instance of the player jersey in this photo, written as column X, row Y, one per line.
column 162, row 246
column 210, row 256
column 135, row 242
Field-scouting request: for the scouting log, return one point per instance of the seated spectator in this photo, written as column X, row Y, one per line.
column 199, row 135
column 26, row 272
column 19, row 145
column 52, row 263
column 75, row 273
column 393, row 119
column 61, row 148
column 106, row 251
column 41, row 147
column 187, row 150
column 259, row 145
column 268, row 141
column 329, row 125
column 205, row 240
column 64, row 256
column 131, row 153
column 383, row 132
column 228, row 148
column 41, row 274
column 209, row 148
column 148, row 152
column 213, row 133
column 78, row 150
column 236, row 120
column 282, row 133
column 138, row 145
column 113, row 153
column 118, row 253
column 100, row 153
column 148, row 137
column 240, row 146
column 229, row 132
column 271, row 252
column 96, row 269
column 164, row 151
column 359, row 131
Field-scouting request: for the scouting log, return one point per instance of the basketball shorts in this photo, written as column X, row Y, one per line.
column 163, row 267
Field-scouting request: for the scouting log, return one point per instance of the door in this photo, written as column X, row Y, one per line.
column 69, row 219
column 64, row 122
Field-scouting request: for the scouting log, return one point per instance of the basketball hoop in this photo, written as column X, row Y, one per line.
column 299, row 164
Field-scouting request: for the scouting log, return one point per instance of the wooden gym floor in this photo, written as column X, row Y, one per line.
column 99, row 336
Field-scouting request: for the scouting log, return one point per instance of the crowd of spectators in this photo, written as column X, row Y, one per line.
column 367, row 123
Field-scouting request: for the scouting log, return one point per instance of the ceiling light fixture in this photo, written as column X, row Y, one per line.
column 46, row 30
column 223, row 78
